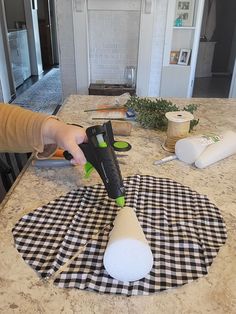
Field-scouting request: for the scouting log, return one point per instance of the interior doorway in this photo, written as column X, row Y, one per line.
column 18, row 37
column 47, row 33
column 217, row 50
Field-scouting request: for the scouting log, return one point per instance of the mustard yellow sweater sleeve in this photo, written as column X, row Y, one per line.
column 21, row 130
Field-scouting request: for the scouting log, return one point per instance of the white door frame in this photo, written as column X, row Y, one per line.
column 6, row 74
column 80, row 23
column 195, row 47
column 31, row 16
column 145, row 47
column 5, row 94
column 232, row 92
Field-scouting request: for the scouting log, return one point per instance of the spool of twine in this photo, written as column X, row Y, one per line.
column 178, row 127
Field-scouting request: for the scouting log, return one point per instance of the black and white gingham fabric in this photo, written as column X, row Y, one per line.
column 184, row 229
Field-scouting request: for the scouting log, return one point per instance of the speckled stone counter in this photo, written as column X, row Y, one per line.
column 21, row 291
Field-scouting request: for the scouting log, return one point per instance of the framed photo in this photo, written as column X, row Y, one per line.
column 184, row 12
column 184, row 56
column 174, row 57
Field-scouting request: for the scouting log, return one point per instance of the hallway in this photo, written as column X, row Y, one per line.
column 212, row 87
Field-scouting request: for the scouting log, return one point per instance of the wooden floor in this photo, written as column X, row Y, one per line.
column 212, row 87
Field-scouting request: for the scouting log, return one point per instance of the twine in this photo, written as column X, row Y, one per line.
column 178, row 128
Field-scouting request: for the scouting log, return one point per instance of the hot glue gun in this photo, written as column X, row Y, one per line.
column 99, row 152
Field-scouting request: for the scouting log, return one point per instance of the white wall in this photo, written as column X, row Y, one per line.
column 113, row 44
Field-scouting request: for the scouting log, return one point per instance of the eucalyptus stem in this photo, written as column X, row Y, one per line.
column 151, row 113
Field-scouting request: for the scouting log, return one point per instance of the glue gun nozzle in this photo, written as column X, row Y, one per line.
column 120, row 201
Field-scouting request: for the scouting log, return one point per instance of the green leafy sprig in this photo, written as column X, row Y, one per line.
column 151, row 113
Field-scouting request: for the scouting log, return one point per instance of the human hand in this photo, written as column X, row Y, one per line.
column 66, row 136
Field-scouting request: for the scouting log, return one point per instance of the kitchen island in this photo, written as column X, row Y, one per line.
column 21, row 290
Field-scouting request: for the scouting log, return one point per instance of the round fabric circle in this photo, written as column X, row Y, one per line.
column 184, row 229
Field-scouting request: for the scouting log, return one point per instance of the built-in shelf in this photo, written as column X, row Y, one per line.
column 183, row 27
column 178, row 65
column 181, row 46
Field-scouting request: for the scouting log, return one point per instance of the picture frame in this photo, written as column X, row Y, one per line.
column 184, row 13
column 184, row 56
column 174, row 56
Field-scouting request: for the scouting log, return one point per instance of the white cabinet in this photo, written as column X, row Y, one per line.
column 19, row 52
column 181, row 40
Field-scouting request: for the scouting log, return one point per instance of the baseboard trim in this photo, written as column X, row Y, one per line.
column 221, row 74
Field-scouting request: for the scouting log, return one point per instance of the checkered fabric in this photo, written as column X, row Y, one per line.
column 184, row 229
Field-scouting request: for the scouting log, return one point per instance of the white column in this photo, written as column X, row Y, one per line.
column 31, row 16
column 232, row 92
column 5, row 94
column 80, row 21
column 145, row 47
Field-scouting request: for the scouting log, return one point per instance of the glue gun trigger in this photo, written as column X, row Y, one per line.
column 88, row 167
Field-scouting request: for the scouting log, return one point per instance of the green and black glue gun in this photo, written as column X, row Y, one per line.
column 99, row 152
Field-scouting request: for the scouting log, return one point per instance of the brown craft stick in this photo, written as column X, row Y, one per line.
column 80, row 250
column 106, row 108
column 107, row 118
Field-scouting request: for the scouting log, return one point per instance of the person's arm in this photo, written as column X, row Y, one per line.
column 26, row 131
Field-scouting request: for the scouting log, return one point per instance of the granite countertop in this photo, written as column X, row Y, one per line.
column 21, row 291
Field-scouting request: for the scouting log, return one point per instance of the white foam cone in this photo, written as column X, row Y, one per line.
column 218, row 151
column 128, row 256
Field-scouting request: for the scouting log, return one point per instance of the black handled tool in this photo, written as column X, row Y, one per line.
column 99, row 152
